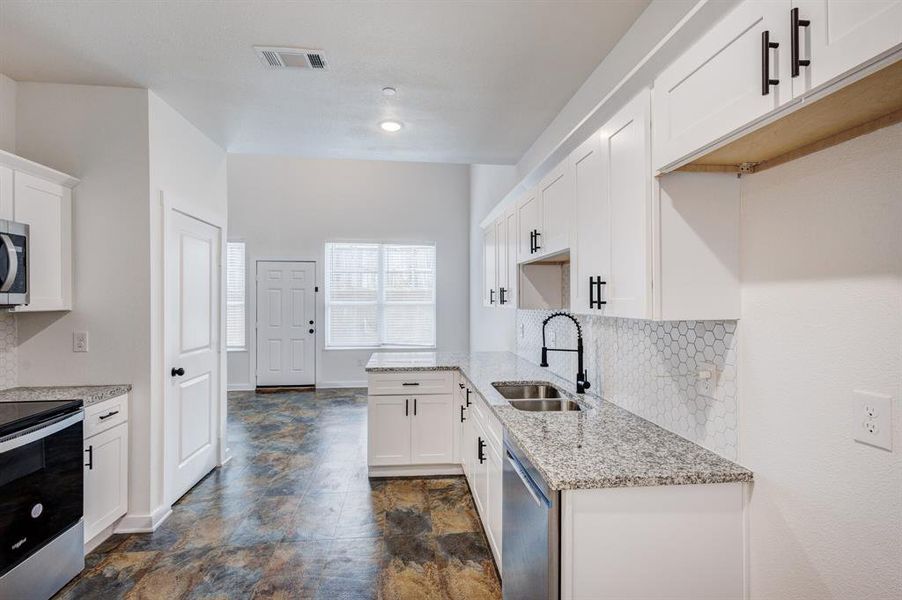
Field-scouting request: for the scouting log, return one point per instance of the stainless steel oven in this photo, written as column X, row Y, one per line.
column 531, row 530
column 41, row 497
column 13, row 263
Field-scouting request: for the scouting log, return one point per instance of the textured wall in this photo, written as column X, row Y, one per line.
column 8, row 355
column 651, row 368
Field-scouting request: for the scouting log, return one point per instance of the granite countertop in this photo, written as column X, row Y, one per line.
column 600, row 446
column 88, row 394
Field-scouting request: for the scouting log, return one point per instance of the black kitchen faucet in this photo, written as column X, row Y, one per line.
column 582, row 377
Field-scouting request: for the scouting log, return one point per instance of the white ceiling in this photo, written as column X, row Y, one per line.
column 477, row 81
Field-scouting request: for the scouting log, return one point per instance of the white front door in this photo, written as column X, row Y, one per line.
column 286, row 323
column 192, row 321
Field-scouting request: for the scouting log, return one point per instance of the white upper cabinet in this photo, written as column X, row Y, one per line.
column 836, row 36
column 501, row 275
column 555, row 195
column 590, row 259
column 726, row 80
column 528, row 224
column 489, row 267
column 510, row 260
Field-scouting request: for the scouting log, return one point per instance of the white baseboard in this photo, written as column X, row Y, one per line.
column 99, row 539
column 414, row 470
column 143, row 523
column 241, row 387
column 341, row 384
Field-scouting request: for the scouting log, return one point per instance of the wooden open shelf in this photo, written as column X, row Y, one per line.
column 866, row 105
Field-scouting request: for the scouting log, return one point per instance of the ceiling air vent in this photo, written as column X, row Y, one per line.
column 296, row 58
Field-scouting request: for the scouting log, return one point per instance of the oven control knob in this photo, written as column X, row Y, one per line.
column 36, row 510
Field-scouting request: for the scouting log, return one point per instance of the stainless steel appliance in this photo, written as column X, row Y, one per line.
column 13, row 263
column 41, row 497
column 531, row 530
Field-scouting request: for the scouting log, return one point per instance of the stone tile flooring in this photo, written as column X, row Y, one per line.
column 293, row 515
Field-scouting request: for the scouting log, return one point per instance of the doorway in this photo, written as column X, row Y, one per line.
column 286, row 323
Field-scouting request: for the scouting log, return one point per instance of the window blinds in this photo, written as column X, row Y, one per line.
column 235, row 296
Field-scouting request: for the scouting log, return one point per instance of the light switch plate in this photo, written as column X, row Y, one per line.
column 873, row 419
column 80, row 341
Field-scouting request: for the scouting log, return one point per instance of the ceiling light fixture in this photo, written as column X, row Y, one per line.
column 390, row 126
column 389, row 91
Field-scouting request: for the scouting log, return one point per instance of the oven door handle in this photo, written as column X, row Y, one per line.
column 13, row 262
column 41, row 432
column 528, row 482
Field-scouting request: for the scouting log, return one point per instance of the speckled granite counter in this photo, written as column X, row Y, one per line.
column 88, row 394
column 600, row 446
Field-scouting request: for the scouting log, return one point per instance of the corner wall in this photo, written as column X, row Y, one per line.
column 7, row 113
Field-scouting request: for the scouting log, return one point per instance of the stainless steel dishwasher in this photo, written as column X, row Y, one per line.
column 531, row 531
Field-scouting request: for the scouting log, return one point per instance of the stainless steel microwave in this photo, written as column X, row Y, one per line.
column 13, row 263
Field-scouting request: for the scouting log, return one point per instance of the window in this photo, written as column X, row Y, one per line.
column 235, row 297
column 380, row 295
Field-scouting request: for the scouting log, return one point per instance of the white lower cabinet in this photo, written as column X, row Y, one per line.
column 106, row 466
column 431, row 431
column 388, row 442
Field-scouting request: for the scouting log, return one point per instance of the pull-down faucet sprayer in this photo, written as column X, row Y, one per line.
column 582, row 377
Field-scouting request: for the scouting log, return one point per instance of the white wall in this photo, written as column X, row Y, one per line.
column 7, row 114
column 821, row 317
column 490, row 328
column 100, row 135
column 286, row 207
column 188, row 172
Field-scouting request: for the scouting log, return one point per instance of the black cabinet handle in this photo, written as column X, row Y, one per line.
column 480, row 450
column 501, row 299
column 538, row 247
column 461, row 385
column 177, row 372
column 411, row 383
column 462, row 419
column 90, row 452
column 595, row 284
column 468, row 396
column 766, row 46
column 406, row 407
column 492, row 296
column 109, row 414
column 532, row 241
column 795, row 23
column 414, row 407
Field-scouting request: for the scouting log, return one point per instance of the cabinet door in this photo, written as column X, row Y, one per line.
column 106, row 479
column 479, row 482
column 494, row 474
column 590, row 255
column 715, row 87
column 432, row 430
column 501, row 273
column 489, row 267
column 555, row 206
column 388, row 430
column 47, row 208
column 513, row 272
column 528, row 221
column 6, row 193
column 625, row 146
column 842, row 35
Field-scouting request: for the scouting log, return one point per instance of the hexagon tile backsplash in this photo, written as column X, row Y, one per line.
column 654, row 369
column 8, row 335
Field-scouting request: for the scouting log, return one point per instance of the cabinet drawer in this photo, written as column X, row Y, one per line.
column 105, row 415
column 411, row 382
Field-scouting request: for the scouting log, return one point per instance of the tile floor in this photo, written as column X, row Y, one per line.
column 293, row 515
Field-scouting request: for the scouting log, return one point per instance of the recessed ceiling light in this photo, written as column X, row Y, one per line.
column 390, row 126
column 389, row 91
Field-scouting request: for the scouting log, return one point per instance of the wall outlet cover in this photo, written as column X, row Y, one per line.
column 80, row 341
column 873, row 419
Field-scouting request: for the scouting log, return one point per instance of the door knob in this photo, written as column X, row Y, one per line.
column 178, row 372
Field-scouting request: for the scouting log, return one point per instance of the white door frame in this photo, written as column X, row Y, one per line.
column 252, row 311
column 170, row 204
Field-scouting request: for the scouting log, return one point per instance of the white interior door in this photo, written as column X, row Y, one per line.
column 286, row 323
column 192, row 317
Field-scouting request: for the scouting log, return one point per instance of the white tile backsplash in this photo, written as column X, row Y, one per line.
column 652, row 369
column 8, row 359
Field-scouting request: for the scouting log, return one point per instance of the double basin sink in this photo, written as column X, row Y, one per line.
column 535, row 397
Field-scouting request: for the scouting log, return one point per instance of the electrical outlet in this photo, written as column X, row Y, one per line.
column 873, row 419
column 706, row 379
column 80, row 341
column 522, row 331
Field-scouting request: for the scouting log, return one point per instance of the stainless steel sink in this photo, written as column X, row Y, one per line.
column 548, row 405
column 537, row 397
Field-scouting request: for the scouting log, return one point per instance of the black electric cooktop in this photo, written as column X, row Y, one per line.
column 16, row 416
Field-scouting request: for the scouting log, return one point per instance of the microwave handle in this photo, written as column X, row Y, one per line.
column 13, row 263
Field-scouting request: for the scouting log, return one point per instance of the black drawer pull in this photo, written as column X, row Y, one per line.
column 766, row 46
column 109, row 414
column 410, row 383
column 480, row 450
column 90, row 452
